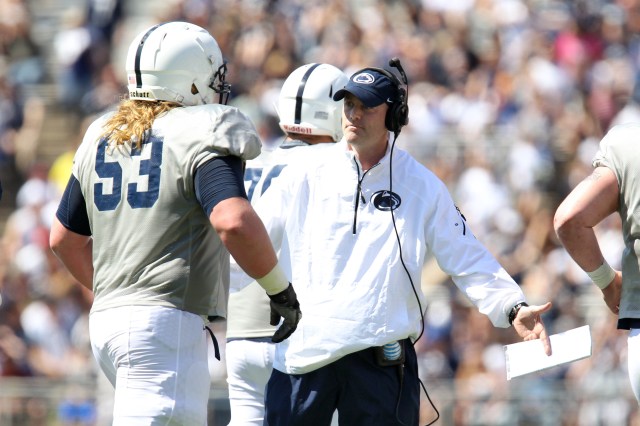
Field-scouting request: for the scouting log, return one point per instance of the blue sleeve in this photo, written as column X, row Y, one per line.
column 217, row 180
column 72, row 211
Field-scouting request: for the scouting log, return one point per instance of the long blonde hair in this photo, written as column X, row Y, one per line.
column 132, row 120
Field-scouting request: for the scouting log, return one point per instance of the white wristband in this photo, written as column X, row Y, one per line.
column 602, row 276
column 275, row 281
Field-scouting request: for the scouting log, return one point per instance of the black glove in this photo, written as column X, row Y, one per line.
column 285, row 304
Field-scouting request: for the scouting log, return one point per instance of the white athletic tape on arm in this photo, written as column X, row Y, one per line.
column 602, row 276
column 275, row 281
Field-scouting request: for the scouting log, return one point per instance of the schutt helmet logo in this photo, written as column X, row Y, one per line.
column 385, row 200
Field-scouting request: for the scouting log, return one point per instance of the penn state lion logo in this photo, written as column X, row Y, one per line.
column 386, row 201
column 364, row 78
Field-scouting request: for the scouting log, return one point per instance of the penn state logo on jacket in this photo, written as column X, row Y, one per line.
column 386, row 200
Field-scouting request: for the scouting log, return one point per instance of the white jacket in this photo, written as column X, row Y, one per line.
column 346, row 261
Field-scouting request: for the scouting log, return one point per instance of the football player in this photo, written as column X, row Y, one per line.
column 311, row 120
column 155, row 200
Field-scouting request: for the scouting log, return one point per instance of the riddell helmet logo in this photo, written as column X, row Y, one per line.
column 297, row 129
column 385, row 200
column 364, row 78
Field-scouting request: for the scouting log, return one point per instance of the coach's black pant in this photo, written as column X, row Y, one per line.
column 363, row 392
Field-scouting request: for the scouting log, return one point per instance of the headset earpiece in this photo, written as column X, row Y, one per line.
column 398, row 113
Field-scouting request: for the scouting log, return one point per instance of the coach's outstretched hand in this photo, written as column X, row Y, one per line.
column 285, row 304
column 529, row 325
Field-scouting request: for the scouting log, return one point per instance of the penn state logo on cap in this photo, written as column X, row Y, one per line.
column 364, row 78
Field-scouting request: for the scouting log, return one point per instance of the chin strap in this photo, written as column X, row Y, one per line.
column 216, row 348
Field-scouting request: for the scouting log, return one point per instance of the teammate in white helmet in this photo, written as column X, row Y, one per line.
column 311, row 120
column 155, row 200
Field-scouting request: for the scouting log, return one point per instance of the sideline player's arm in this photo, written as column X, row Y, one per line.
column 70, row 237
column 220, row 189
column 591, row 201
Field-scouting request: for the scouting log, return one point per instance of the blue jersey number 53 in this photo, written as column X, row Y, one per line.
column 112, row 170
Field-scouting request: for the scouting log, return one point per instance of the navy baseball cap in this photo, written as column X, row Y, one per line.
column 371, row 87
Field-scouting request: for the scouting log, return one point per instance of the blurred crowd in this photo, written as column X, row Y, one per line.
column 508, row 101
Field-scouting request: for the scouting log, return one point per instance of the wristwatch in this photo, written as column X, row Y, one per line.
column 513, row 313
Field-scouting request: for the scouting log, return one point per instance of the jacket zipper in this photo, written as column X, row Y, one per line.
column 359, row 195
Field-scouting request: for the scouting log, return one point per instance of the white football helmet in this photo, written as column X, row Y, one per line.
column 306, row 104
column 178, row 62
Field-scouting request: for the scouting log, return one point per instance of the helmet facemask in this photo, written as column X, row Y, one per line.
column 223, row 88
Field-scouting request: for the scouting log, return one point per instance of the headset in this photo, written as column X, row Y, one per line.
column 398, row 112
